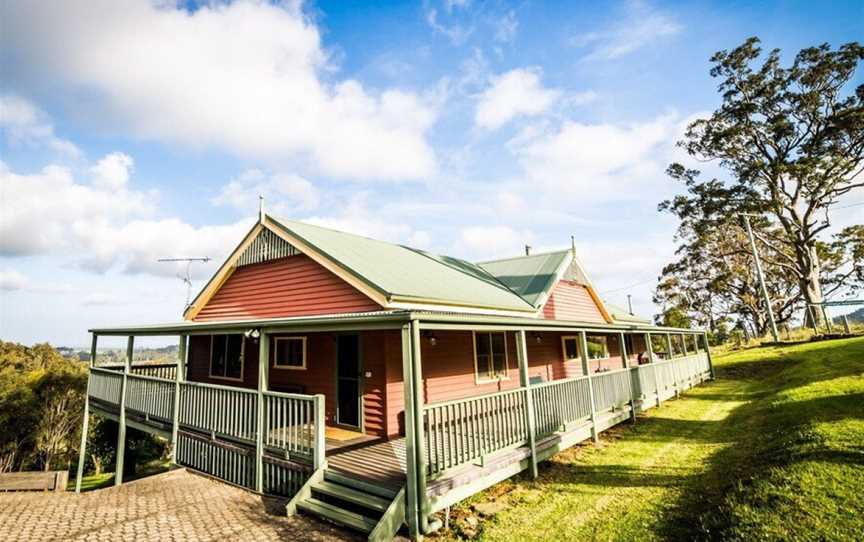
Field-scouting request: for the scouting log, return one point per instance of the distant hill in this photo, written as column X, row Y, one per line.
column 857, row 316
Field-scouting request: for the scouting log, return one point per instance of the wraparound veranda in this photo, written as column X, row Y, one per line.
column 386, row 412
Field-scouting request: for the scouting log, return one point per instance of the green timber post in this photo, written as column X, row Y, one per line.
column 671, row 356
column 319, row 457
column 178, row 377
column 525, row 382
column 653, row 361
column 121, row 434
column 423, row 504
column 263, row 365
column 846, row 325
column 82, row 452
column 583, row 347
column 624, row 362
column 410, row 457
column 708, row 353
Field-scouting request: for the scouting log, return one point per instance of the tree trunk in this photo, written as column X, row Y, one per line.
column 811, row 281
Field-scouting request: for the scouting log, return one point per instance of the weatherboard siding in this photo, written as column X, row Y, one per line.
column 570, row 300
column 292, row 286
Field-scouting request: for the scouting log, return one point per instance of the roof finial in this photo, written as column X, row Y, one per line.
column 527, row 250
column 573, row 245
column 261, row 208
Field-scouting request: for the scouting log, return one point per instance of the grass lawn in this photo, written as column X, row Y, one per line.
column 106, row 479
column 773, row 450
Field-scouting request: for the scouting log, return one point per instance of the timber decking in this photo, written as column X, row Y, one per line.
column 382, row 463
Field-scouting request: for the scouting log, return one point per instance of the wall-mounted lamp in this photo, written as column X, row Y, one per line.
column 252, row 333
column 433, row 340
column 537, row 337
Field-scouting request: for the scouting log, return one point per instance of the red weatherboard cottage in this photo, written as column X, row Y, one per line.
column 376, row 383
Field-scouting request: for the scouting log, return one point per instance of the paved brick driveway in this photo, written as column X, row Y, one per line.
column 176, row 505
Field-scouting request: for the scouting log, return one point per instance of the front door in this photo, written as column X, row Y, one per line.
column 348, row 381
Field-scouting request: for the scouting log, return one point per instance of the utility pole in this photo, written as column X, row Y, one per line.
column 761, row 277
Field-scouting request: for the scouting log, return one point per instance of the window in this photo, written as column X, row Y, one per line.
column 570, row 347
column 678, row 348
column 290, row 353
column 226, row 357
column 490, row 356
column 598, row 346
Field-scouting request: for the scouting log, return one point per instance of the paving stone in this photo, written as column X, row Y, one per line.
column 176, row 505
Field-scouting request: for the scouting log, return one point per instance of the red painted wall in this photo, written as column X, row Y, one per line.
column 320, row 373
column 571, row 301
column 448, row 370
column 293, row 286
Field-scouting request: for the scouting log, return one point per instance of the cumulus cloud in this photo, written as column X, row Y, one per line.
column 112, row 172
column 486, row 242
column 356, row 217
column 639, row 26
column 284, row 193
column 97, row 226
column 605, row 159
column 12, row 280
column 251, row 78
column 24, row 123
column 515, row 93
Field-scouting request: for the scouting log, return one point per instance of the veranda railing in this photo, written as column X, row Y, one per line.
column 218, row 426
column 465, row 430
column 151, row 396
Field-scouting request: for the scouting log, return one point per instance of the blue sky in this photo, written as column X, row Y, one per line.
column 470, row 128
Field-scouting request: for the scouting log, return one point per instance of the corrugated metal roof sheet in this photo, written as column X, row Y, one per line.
column 528, row 276
column 401, row 271
column 621, row 315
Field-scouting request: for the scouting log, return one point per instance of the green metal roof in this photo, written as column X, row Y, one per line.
column 528, row 276
column 400, row 271
column 621, row 315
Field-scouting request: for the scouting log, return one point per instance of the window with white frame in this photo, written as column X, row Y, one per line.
column 290, row 353
column 570, row 347
column 598, row 346
column 226, row 357
column 490, row 356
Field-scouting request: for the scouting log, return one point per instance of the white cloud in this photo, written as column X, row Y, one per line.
column 98, row 227
column 247, row 77
column 41, row 211
column 12, row 280
column 640, row 26
column 506, row 27
column 456, row 33
column 284, row 193
column 358, row 218
column 485, row 242
column 601, row 159
column 24, row 123
column 112, row 172
column 514, row 93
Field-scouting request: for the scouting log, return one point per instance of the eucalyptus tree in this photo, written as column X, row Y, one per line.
column 792, row 140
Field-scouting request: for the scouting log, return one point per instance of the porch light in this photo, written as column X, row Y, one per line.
column 252, row 333
column 537, row 338
column 433, row 340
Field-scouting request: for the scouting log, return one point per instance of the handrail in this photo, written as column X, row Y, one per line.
column 218, row 387
column 300, row 396
column 148, row 377
column 472, row 398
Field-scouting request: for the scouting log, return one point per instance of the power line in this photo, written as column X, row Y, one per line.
column 850, row 205
column 628, row 287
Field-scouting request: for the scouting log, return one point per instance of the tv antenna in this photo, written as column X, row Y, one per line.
column 186, row 278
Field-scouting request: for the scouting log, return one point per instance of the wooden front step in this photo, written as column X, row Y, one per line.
column 375, row 511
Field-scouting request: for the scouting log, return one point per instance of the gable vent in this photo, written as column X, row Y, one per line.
column 267, row 246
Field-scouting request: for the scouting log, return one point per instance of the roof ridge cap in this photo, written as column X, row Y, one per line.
column 511, row 258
